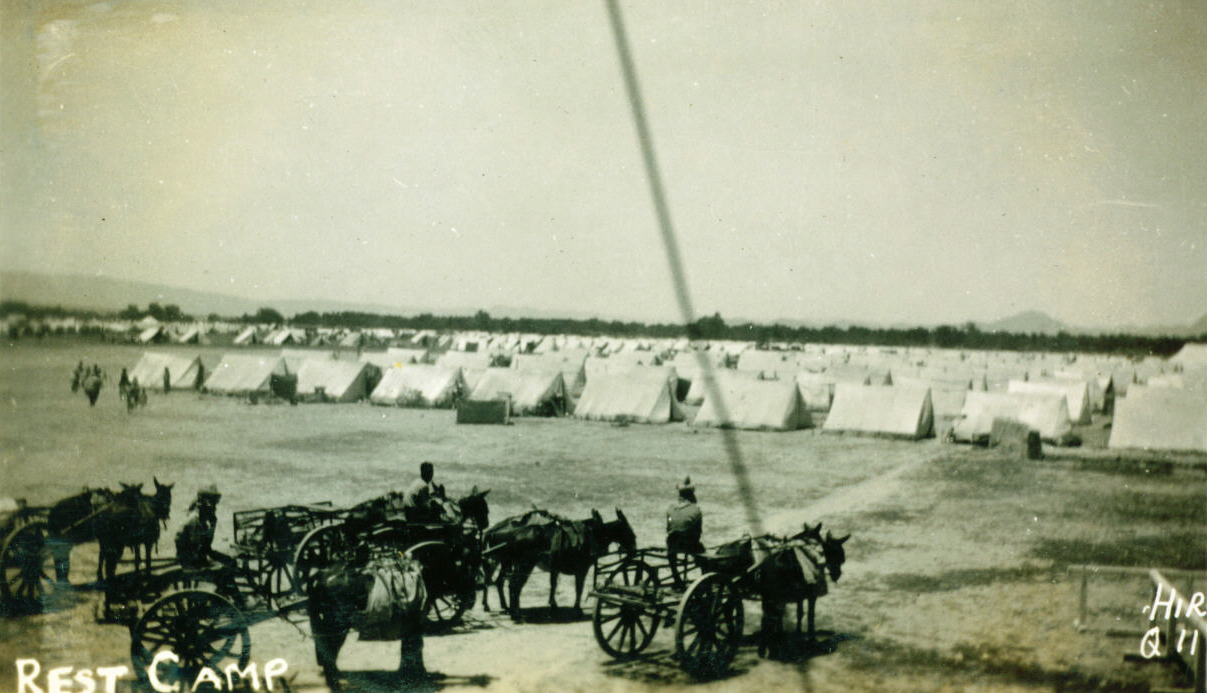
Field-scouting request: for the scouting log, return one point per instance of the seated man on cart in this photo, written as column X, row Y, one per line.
column 195, row 540
column 684, row 526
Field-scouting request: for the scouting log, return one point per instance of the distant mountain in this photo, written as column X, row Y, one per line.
column 109, row 295
column 105, row 294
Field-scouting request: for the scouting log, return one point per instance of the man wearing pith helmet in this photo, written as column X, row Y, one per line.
column 684, row 526
column 194, row 541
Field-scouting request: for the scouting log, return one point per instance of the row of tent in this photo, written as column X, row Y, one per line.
column 620, row 391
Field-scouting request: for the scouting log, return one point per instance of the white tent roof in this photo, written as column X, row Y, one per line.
column 639, row 398
column 774, row 405
column 531, row 391
column 881, row 410
column 182, row 370
column 342, row 381
column 1076, row 393
column 243, row 373
column 1160, row 418
column 1043, row 411
column 419, row 385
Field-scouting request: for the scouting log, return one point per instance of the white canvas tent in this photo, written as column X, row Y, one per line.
column 765, row 405
column 472, row 364
column 240, row 374
column 333, row 380
column 1076, row 394
column 1160, row 418
column 532, row 392
column 816, row 389
column 1044, row 412
column 419, row 385
column 567, row 362
column 900, row 412
column 184, row 372
column 698, row 390
column 632, row 396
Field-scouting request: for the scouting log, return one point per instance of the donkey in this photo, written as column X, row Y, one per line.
column 132, row 520
column 73, row 521
column 383, row 598
column 794, row 570
column 558, row 546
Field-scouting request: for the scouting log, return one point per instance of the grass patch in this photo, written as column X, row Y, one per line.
column 956, row 579
column 1172, row 550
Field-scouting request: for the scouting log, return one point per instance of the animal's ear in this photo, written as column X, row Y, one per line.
column 621, row 516
column 843, row 539
column 829, row 537
column 485, row 492
column 596, row 516
column 156, row 480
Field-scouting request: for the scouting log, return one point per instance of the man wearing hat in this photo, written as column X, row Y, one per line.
column 194, row 541
column 684, row 525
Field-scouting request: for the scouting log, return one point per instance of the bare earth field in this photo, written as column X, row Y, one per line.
column 956, row 579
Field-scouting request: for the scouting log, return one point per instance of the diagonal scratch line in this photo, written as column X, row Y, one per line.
column 678, row 275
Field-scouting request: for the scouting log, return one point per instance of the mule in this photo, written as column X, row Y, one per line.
column 795, row 570
column 132, row 520
column 92, row 387
column 383, row 598
column 73, row 521
column 518, row 545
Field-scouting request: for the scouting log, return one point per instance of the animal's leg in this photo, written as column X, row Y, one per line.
column 515, row 584
column 410, row 663
column 812, row 630
column 552, row 591
column 800, row 611
column 579, row 579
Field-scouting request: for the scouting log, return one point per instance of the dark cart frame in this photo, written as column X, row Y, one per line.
column 636, row 593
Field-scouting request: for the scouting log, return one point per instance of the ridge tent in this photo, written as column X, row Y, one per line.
column 698, row 390
column 240, row 374
column 420, row 385
column 248, row 336
column 1045, row 412
column 333, row 380
column 404, row 356
column 567, row 362
column 532, row 392
column 946, row 396
column 1160, row 418
column 901, row 412
column 183, row 371
column 774, row 405
column 632, row 396
column 1192, row 355
column 1076, row 393
column 471, row 363
column 816, row 389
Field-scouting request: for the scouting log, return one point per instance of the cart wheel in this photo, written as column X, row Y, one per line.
column 321, row 548
column 27, row 564
column 450, row 591
column 624, row 628
column 276, row 576
column 201, row 628
column 709, row 626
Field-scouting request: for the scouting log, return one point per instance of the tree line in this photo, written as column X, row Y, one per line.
column 712, row 327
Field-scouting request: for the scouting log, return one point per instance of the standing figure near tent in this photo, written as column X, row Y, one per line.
column 684, row 526
column 123, row 385
column 417, row 500
column 167, row 380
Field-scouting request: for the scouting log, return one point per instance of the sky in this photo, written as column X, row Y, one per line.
column 888, row 162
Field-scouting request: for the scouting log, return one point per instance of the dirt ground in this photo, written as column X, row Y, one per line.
column 957, row 576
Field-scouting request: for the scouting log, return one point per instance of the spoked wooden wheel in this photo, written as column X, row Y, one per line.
column 275, row 572
column 27, row 564
column 625, row 620
column 202, row 629
column 321, row 548
column 709, row 626
column 450, row 590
